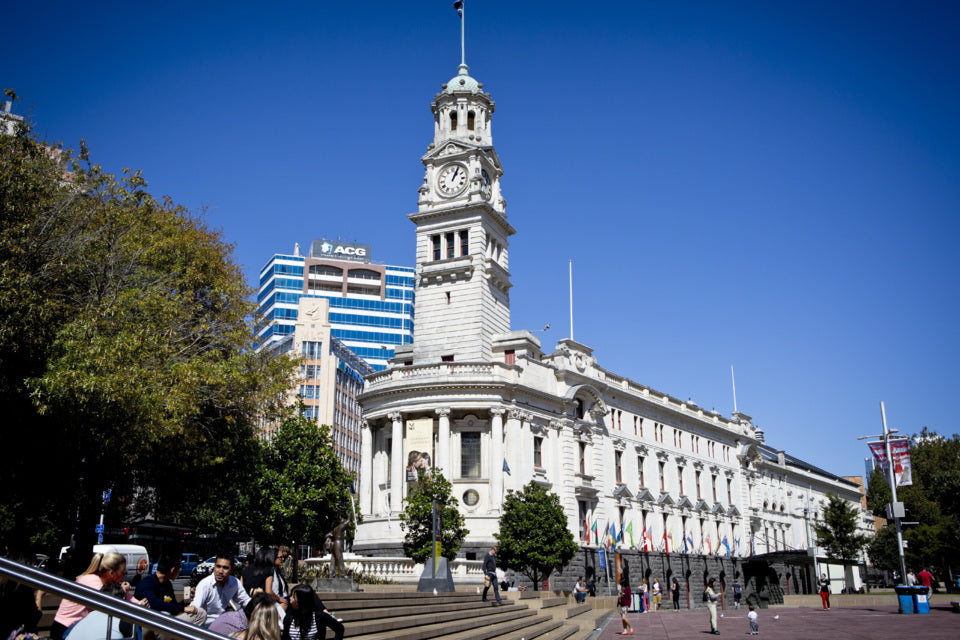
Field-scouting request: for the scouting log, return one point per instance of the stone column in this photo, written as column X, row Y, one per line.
column 513, row 449
column 396, row 464
column 443, row 442
column 366, row 468
column 496, row 458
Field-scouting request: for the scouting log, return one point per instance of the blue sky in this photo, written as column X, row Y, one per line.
column 772, row 186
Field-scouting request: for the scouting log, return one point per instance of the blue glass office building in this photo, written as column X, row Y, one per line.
column 371, row 305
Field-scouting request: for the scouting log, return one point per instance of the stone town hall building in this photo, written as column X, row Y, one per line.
column 477, row 398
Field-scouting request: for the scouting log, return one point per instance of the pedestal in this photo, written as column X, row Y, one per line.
column 442, row 581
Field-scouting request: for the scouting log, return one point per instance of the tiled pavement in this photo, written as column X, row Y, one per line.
column 848, row 623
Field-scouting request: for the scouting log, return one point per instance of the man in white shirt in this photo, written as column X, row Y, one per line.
column 215, row 592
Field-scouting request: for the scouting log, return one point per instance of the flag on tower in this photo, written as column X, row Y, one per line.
column 458, row 5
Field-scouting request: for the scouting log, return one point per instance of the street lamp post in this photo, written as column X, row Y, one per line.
column 891, row 478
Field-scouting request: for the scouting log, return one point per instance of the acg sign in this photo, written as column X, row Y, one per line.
column 343, row 251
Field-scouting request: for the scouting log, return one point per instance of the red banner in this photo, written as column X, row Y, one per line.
column 900, row 450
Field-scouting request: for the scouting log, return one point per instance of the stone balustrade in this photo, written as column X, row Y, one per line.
column 402, row 570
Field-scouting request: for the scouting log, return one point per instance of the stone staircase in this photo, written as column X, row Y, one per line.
column 406, row 615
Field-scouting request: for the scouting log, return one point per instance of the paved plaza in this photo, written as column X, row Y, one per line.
column 802, row 623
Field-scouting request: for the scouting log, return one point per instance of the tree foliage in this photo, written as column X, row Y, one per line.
column 931, row 501
column 303, row 489
column 838, row 532
column 125, row 359
column 534, row 538
column 416, row 519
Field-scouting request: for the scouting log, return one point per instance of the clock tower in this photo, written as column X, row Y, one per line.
column 463, row 282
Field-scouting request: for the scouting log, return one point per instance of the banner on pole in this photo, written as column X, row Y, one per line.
column 900, row 450
column 602, row 558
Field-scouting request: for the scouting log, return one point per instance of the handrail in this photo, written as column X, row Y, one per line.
column 99, row 601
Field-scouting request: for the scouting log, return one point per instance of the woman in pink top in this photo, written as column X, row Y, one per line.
column 104, row 568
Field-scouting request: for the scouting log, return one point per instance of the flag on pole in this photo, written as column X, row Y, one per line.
column 629, row 531
column 900, row 450
column 689, row 539
column 719, row 544
column 707, row 546
column 506, row 467
column 612, row 534
column 648, row 540
column 736, row 546
column 727, row 545
column 620, row 534
column 596, row 536
column 458, row 5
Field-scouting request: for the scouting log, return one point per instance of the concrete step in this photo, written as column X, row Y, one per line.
column 379, row 610
column 546, row 603
column 535, row 630
column 578, row 609
column 498, row 630
column 471, row 624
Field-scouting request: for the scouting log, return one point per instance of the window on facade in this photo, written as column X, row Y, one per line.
column 713, row 484
column 663, row 483
column 582, row 457
column 698, row 486
column 453, row 120
column 640, row 471
column 510, row 356
column 584, row 520
column 635, row 425
column 446, row 358
column 464, row 242
column 729, row 491
column 311, row 350
column 579, row 408
column 471, row 120
column 363, row 274
column 537, row 451
column 680, row 479
column 617, row 457
column 470, row 454
column 451, row 249
column 435, row 240
column 325, row 270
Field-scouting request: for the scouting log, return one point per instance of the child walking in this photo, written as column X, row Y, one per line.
column 754, row 621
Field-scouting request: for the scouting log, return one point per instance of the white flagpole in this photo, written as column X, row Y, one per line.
column 734, row 380
column 463, row 44
column 571, row 299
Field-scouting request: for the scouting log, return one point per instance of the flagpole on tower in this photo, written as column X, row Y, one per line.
column 458, row 5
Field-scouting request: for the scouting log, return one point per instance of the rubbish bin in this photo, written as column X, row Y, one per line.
column 906, row 598
column 921, row 601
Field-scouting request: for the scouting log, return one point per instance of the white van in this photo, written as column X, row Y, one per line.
column 138, row 560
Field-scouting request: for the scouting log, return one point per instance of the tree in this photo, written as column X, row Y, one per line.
column 125, row 349
column 838, row 532
column 930, row 501
column 534, row 538
column 416, row 519
column 304, row 491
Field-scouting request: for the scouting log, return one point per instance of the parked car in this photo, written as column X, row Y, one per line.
column 188, row 563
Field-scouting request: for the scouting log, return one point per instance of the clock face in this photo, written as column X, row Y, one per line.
column 485, row 184
column 452, row 179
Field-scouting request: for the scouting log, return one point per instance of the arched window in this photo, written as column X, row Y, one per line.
column 325, row 270
column 580, row 411
column 471, row 120
column 453, row 120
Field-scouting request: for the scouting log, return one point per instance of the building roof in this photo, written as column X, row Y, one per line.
column 462, row 82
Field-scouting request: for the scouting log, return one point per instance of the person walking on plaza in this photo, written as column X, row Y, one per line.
column 675, row 590
column 737, row 593
column 754, row 620
column 645, row 594
column 490, row 575
column 215, row 592
column 926, row 579
column 712, row 597
column 623, row 600
column 824, row 587
column 657, row 594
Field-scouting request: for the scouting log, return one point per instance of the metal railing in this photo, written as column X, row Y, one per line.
column 100, row 601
